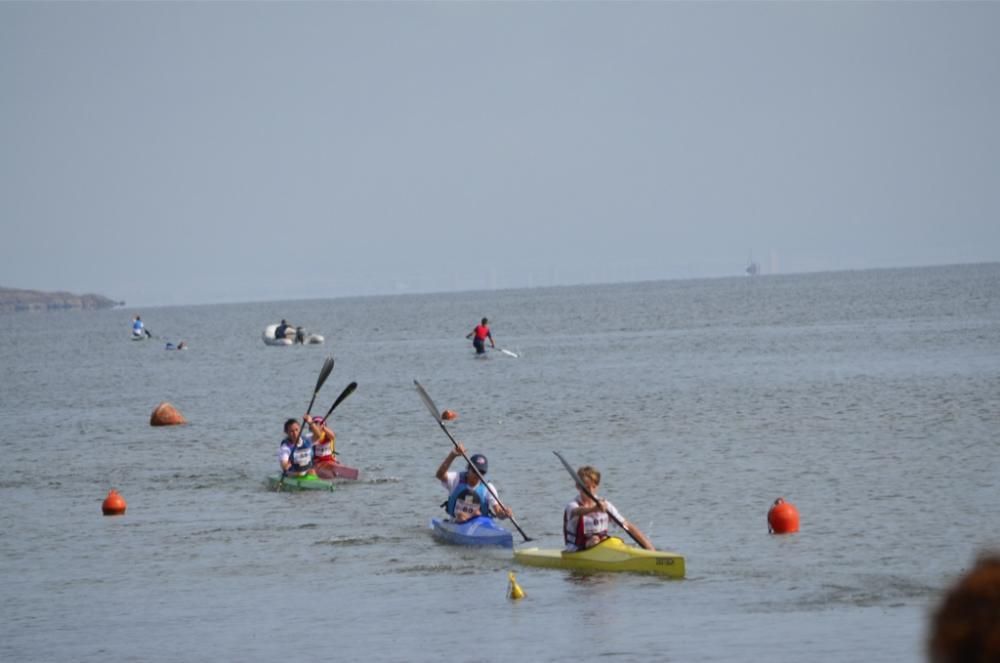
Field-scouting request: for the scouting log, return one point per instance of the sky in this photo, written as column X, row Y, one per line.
column 202, row 152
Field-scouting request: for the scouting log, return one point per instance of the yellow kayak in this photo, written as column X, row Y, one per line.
column 612, row 554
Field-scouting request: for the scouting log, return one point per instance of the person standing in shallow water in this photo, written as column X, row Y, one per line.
column 479, row 336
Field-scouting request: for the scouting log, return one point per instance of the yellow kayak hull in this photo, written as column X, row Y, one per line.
column 612, row 554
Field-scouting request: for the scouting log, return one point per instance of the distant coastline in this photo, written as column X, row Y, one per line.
column 12, row 300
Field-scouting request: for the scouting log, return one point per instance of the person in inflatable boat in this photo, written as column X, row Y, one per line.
column 281, row 331
column 468, row 496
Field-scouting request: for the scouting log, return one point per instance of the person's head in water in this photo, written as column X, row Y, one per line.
column 485, row 321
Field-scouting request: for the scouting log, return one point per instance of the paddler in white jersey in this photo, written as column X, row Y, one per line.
column 469, row 497
column 585, row 522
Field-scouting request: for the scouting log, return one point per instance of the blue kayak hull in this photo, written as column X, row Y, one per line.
column 479, row 531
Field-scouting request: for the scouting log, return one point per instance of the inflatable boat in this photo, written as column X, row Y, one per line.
column 298, row 337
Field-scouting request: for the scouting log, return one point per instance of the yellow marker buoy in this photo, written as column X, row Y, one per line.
column 514, row 590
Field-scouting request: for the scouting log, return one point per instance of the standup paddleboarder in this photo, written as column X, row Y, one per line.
column 479, row 336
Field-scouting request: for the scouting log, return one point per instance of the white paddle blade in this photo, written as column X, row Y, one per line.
column 426, row 398
column 509, row 353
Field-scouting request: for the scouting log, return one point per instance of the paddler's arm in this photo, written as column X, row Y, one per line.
column 446, row 463
column 317, row 432
column 498, row 510
column 330, row 435
column 600, row 505
column 284, row 458
column 637, row 533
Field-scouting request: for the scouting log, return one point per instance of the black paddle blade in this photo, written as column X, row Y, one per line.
column 425, row 397
column 576, row 477
column 348, row 390
column 324, row 372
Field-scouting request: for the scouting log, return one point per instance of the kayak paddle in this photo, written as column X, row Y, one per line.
column 436, row 413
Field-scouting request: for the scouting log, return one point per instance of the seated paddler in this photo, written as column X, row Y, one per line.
column 296, row 451
column 468, row 495
column 585, row 521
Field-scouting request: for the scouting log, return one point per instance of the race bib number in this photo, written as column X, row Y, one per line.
column 595, row 523
column 467, row 506
column 302, row 456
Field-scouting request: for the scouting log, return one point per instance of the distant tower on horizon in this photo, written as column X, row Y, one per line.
column 753, row 269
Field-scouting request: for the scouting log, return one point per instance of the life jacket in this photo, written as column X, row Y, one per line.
column 323, row 450
column 481, row 332
column 301, row 456
column 137, row 327
column 467, row 500
column 586, row 526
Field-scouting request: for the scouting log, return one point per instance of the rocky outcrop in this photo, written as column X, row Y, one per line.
column 35, row 300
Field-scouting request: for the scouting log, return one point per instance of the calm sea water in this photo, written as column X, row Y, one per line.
column 871, row 400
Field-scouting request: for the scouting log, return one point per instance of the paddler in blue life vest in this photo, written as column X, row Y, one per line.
column 295, row 454
column 479, row 334
column 585, row 522
column 469, row 497
column 138, row 329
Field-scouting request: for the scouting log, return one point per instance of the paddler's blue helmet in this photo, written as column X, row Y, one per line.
column 479, row 460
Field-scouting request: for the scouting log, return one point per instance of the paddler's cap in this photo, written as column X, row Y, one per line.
column 318, row 421
column 479, row 460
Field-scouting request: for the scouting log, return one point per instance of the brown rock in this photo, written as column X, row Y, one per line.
column 166, row 414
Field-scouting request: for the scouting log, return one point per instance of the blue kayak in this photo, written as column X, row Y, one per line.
column 478, row 531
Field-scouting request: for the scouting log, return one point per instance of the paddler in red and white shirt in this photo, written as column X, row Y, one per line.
column 585, row 522
column 324, row 441
column 479, row 335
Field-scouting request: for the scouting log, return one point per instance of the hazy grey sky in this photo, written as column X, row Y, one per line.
column 175, row 153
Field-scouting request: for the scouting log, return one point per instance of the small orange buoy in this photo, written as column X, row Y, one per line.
column 449, row 415
column 782, row 517
column 166, row 414
column 114, row 504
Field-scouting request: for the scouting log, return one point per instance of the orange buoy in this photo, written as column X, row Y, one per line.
column 166, row 414
column 114, row 504
column 782, row 517
column 449, row 415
